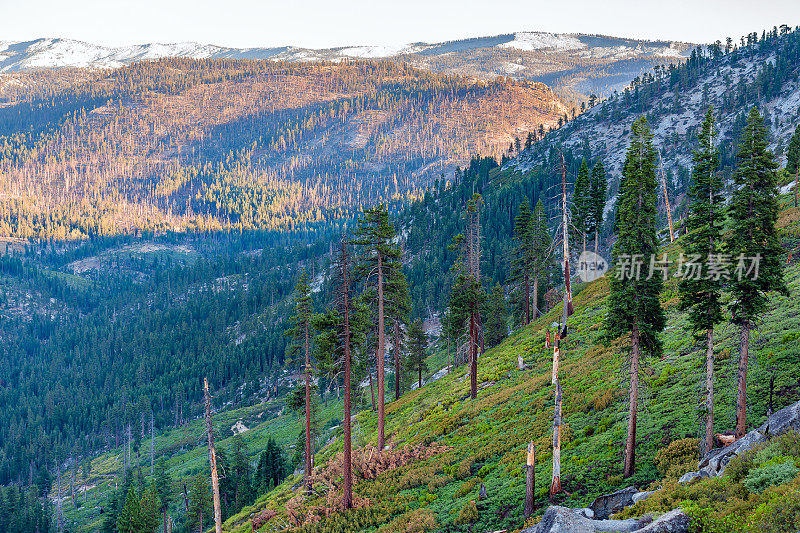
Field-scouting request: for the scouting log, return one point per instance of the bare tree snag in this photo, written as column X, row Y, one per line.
column 666, row 197
column 397, row 360
column 309, row 451
column 530, row 480
column 630, row 444
column 212, row 458
column 381, row 357
column 347, row 490
column 741, row 399
column 473, row 357
column 709, row 389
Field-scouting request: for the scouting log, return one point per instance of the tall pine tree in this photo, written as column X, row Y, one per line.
column 374, row 235
column 793, row 161
column 753, row 211
column 524, row 260
column 634, row 309
column 700, row 293
column 582, row 203
column 598, row 191
column 417, row 346
column 301, row 333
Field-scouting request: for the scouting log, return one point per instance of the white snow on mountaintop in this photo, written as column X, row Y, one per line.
column 540, row 40
column 56, row 53
column 49, row 53
column 380, row 51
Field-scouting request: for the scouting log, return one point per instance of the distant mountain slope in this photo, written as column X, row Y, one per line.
column 765, row 74
column 215, row 143
column 583, row 63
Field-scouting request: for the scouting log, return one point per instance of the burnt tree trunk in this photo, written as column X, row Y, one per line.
column 741, row 400
column 309, row 458
column 530, row 480
column 347, row 489
column 630, row 444
column 527, row 300
column 381, row 357
column 212, row 457
column 473, row 357
column 396, row 359
column 709, row 389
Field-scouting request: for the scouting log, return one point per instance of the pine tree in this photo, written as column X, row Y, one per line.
column 543, row 262
column 598, row 200
column 199, row 503
column 241, row 473
column 374, row 235
column 793, row 153
column 524, row 260
column 301, row 333
column 163, row 487
column 128, row 520
column 793, row 161
column 634, row 308
column 753, row 211
column 496, row 324
column 417, row 347
column 582, row 203
column 398, row 307
column 467, row 294
column 700, row 294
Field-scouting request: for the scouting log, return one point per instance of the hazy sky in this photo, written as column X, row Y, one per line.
column 328, row 23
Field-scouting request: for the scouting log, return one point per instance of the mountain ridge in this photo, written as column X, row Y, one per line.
column 536, row 56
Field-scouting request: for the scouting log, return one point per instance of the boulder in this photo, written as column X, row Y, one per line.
column 675, row 521
column 608, row 504
column 639, row 496
column 691, row 477
column 784, row 420
column 565, row 520
column 714, row 462
column 788, row 418
column 558, row 519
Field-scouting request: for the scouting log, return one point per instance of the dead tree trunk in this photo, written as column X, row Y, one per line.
column 309, row 452
column 630, row 445
column 530, row 480
column 527, row 300
column 212, row 458
column 347, row 490
column 473, row 357
column 555, row 484
column 709, row 389
column 666, row 198
column 741, row 400
column 381, row 357
column 535, row 312
column 396, row 359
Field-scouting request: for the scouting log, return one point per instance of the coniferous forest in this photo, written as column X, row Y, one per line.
column 353, row 296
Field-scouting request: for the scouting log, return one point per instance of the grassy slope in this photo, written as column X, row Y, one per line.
column 187, row 453
column 487, row 437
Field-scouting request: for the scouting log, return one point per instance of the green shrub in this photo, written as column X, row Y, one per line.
column 468, row 514
column 678, row 457
column 773, row 473
column 466, row 487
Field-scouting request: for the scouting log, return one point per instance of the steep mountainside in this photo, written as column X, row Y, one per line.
column 583, row 63
column 765, row 74
column 482, row 443
column 219, row 143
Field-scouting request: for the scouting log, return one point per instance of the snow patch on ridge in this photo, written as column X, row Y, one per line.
column 536, row 40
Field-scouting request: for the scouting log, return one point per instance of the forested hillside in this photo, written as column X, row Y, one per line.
column 758, row 70
column 180, row 144
column 283, row 230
